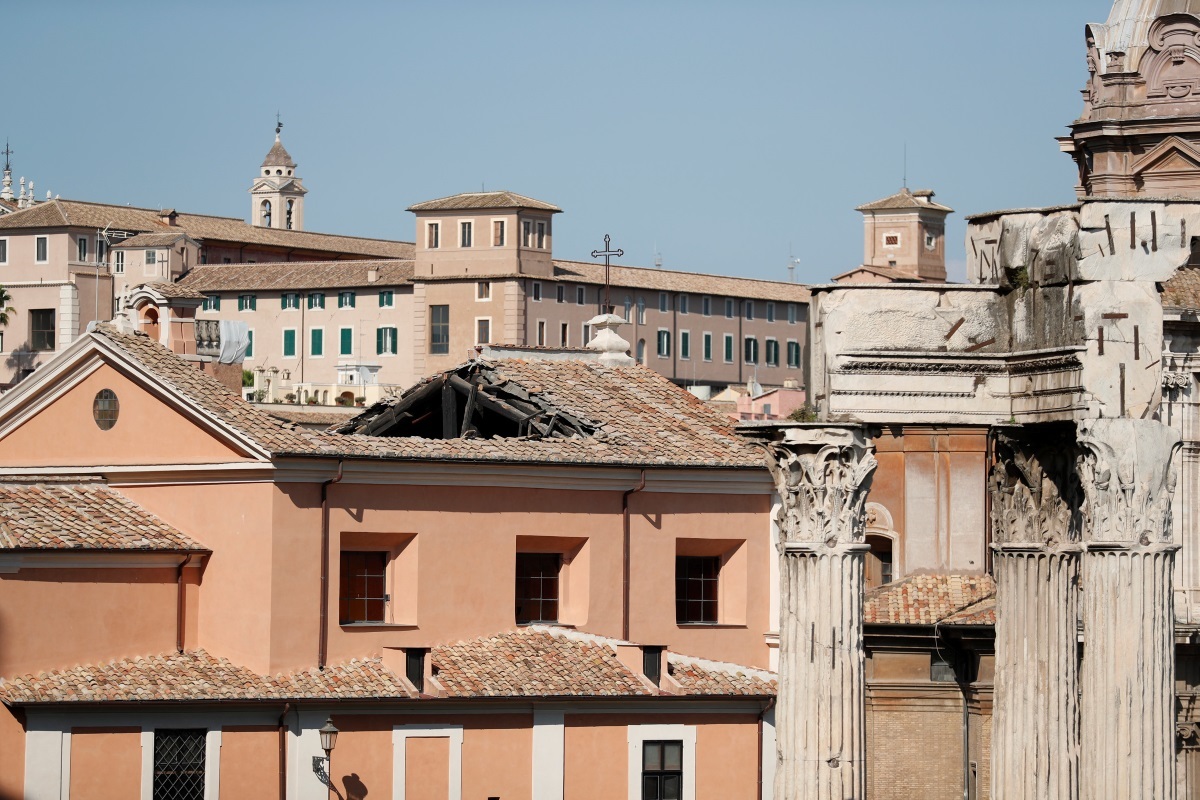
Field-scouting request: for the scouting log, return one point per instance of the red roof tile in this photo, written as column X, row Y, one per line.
column 926, row 599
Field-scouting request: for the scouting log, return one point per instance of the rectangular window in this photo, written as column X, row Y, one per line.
column 289, row 300
column 316, row 300
column 748, row 310
column 541, row 333
column 82, row 248
column 119, row 262
column 641, row 311
column 541, row 236
column 42, row 245
column 465, row 233
column 536, row 291
column 362, row 589
column 387, row 298
column 483, row 331
column 564, row 335
column 685, row 344
column 527, row 234
column 664, row 343
column 791, row 313
column 101, row 249
column 179, row 755
column 346, row 341
column 696, row 589
column 587, row 333
column 3, row 251
column 346, row 299
column 664, row 302
column 560, row 294
column 793, row 354
column 706, row 306
column 683, row 304
column 289, row 343
column 728, row 309
column 249, row 344
column 662, row 770
column 497, row 233
column 433, row 235
column 151, row 257
column 385, row 341
column 439, row 330
column 212, row 302
column 729, row 348
column 247, row 302
column 751, row 350
column 770, row 312
column 772, row 353
column 42, row 335
column 580, row 295
column 483, row 290
column 708, row 347
column 537, row 587
column 316, row 338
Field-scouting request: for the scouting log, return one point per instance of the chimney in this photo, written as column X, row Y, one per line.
column 372, row 275
column 169, row 216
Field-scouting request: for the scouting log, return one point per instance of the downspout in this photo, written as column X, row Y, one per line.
column 770, row 704
column 287, row 707
column 625, row 554
column 179, row 601
column 323, row 636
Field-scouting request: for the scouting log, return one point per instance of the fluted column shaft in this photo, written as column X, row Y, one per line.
column 822, row 475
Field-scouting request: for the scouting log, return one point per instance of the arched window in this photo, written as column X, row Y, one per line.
column 290, row 206
column 264, row 215
column 641, row 351
column 879, row 560
column 641, row 320
column 628, row 306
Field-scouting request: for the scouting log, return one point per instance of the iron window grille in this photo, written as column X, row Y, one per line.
column 537, row 587
column 363, row 593
column 696, row 584
column 179, row 764
column 105, row 409
column 662, row 770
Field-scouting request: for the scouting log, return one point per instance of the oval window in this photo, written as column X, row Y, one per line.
column 105, row 409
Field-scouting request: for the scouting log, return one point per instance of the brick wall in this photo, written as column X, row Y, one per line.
column 914, row 743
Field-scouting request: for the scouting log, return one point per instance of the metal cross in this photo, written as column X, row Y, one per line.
column 278, row 124
column 7, row 152
column 608, row 253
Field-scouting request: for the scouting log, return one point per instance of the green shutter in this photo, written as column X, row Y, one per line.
column 249, row 344
column 318, row 342
column 379, row 339
column 289, row 344
column 392, row 344
column 347, row 341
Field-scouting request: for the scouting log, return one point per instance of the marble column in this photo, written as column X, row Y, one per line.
column 1035, row 499
column 1128, row 680
column 822, row 475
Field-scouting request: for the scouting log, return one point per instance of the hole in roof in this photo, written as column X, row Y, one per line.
column 105, row 409
column 474, row 401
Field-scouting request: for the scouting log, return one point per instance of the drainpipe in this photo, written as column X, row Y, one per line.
column 770, row 704
column 625, row 554
column 287, row 707
column 323, row 636
column 179, row 601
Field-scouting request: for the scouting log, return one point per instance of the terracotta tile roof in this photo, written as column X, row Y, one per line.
column 171, row 290
column 74, row 213
column 666, row 280
column 1183, row 289
column 473, row 200
column 889, row 274
column 905, row 199
column 699, row 677
column 278, row 156
column 298, row 275
column 365, row 678
column 981, row 613
column 322, row 418
column 926, row 599
column 44, row 513
column 152, row 240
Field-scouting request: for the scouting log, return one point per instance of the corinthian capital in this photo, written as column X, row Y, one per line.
column 1035, row 490
column 1125, row 466
column 822, row 475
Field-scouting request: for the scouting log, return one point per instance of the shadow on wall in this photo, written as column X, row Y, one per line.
column 21, row 362
column 355, row 788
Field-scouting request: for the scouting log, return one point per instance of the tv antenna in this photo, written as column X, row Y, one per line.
column 793, row 262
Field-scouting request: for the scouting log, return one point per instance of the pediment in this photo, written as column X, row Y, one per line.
column 1171, row 155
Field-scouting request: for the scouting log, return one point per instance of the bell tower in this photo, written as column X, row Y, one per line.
column 277, row 195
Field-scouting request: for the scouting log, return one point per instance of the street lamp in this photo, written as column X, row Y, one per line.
column 322, row 766
column 329, row 736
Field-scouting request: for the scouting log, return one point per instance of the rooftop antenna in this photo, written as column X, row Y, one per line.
column 906, row 165
column 657, row 257
column 8, row 151
column 793, row 262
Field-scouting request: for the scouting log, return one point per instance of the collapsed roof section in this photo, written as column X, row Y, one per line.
column 472, row 401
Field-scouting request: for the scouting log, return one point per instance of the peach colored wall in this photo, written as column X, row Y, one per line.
column 362, row 761
column 234, row 521
column 95, row 614
column 250, row 762
column 597, row 760
column 147, row 431
column 12, row 756
column 427, row 768
column 464, row 308
column 106, row 763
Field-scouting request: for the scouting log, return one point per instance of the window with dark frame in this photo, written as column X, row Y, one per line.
column 560, row 295
column 498, row 233
column 483, row 290
column 362, row 595
column 42, row 245
column 580, row 296
column 483, row 331
column 433, row 236
column 537, row 587
column 662, row 770
column 751, row 350
column 41, row 329
column 83, row 248
column 105, row 409
column 119, row 262
column 541, row 236
column 439, row 330
column 387, row 298
column 3, row 251
column 526, row 233
column 346, row 299
column 696, row 581
column 465, row 234
column 179, row 755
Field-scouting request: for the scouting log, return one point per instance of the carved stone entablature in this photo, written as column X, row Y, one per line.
column 822, row 475
column 1125, row 467
column 931, row 365
column 1035, row 490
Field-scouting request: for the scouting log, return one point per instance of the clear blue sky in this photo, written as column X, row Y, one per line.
column 723, row 133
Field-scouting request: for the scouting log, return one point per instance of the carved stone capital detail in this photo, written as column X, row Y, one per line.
column 1126, row 468
column 822, row 475
column 1035, row 490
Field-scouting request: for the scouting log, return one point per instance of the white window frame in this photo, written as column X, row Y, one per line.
column 469, row 229
column 252, row 306
column 638, row 735
column 286, row 306
column 352, row 339
column 324, row 341
column 479, row 285
column 658, row 340
column 527, row 234
column 540, row 333
column 349, row 295
column 503, row 231
column 475, row 333
column 766, row 351
column 541, row 234
column 4, row 241
column 395, row 340
column 119, row 262
column 454, row 733
column 899, row 241
column 706, row 343
column 680, row 335
column 433, row 233
column 727, row 349
column 36, row 241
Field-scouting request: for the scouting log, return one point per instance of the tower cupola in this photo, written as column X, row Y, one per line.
column 277, row 194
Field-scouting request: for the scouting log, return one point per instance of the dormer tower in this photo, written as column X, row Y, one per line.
column 906, row 232
column 277, row 195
